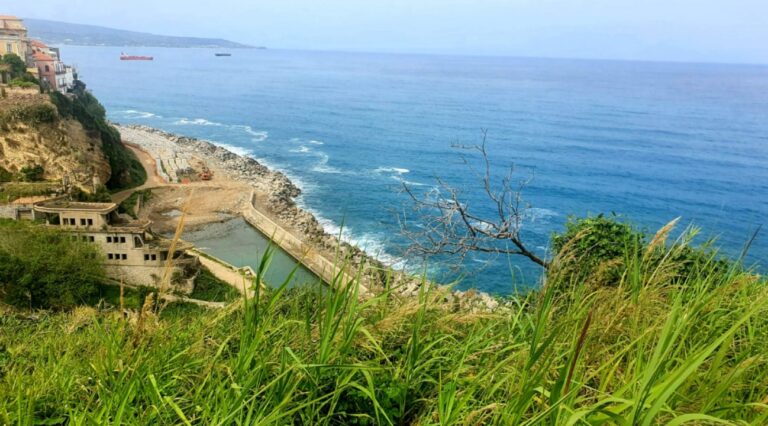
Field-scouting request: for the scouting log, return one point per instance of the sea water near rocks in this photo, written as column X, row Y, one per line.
column 651, row 141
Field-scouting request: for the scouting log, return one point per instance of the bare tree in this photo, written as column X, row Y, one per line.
column 446, row 223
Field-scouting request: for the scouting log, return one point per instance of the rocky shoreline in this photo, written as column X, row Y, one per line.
column 277, row 196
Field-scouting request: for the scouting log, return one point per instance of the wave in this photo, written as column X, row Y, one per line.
column 196, row 122
column 323, row 167
column 396, row 170
column 397, row 173
column 370, row 243
column 317, row 142
column 244, row 152
column 536, row 213
column 132, row 113
column 258, row 135
column 301, row 150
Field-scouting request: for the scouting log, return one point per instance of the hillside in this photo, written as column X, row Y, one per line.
column 55, row 32
column 57, row 135
column 33, row 134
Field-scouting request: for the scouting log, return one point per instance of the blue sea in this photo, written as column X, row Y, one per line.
column 649, row 141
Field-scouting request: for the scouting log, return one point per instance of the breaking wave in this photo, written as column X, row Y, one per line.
column 132, row 113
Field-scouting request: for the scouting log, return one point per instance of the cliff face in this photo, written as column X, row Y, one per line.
column 32, row 132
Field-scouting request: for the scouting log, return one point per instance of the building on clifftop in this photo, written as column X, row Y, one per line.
column 13, row 36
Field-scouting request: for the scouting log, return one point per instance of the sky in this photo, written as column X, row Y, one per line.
column 665, row 30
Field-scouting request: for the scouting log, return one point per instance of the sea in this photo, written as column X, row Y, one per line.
column 648, row 141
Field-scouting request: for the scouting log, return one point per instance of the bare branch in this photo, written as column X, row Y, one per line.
column 446, row 224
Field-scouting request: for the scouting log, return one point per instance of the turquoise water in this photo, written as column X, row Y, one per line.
column 239, row 244
column 652, row 141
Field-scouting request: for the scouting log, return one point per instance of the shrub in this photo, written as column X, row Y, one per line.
column 32, row 173
column 30, row 114
column 46, row 268
column 18, row 67
column 595, row 242
column 18, row 82
column 5, row 175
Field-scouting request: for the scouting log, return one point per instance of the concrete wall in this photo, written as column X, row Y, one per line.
column 8, row 211
column 97, row 220
column 146, row 276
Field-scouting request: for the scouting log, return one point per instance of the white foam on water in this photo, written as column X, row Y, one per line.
column 323, row 167
column 317, row 142
column 396, row 170
column 258, row 135
column 132, row 113
column 370, row 243
column 301, row 150
column 244, row 152
column 196, row 122
column 534, row 214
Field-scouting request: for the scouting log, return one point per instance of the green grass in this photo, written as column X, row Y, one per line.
column 210, row 288
column 659, row 346
column 132, row 298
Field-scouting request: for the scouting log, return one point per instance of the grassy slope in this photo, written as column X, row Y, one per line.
column 656, row 348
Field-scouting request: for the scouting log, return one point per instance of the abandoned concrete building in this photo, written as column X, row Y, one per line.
column 131, row 252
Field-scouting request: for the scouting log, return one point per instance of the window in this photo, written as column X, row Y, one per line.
column 8, row 48
column 82, row 222
column 110, row 256
column 124, row 256
column 85, row 238
column 91, row 238
column 109, row 239
column 90, row 222
column 154, row 257
column 122, row 239
column 146, row 257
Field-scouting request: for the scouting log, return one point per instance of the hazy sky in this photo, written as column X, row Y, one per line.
column 682, row 30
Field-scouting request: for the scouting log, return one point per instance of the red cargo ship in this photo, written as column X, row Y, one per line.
column 124, row 57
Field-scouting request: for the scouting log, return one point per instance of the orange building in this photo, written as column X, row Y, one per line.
column 46, row 68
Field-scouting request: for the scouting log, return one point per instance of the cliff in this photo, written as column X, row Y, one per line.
column 33, row 133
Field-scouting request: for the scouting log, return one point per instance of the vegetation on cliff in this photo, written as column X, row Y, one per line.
column 42, row 267
column 127, row 171
column 666, row 337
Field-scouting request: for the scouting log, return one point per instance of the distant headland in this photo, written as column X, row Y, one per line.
column 55, row 32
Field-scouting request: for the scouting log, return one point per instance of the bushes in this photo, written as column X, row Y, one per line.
column 18, row 82
column 605, row 249
column 127, row 171
column 18, row 68
column 5, row 175
column 45, row 268
column 30, row 114
column 32, row 173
